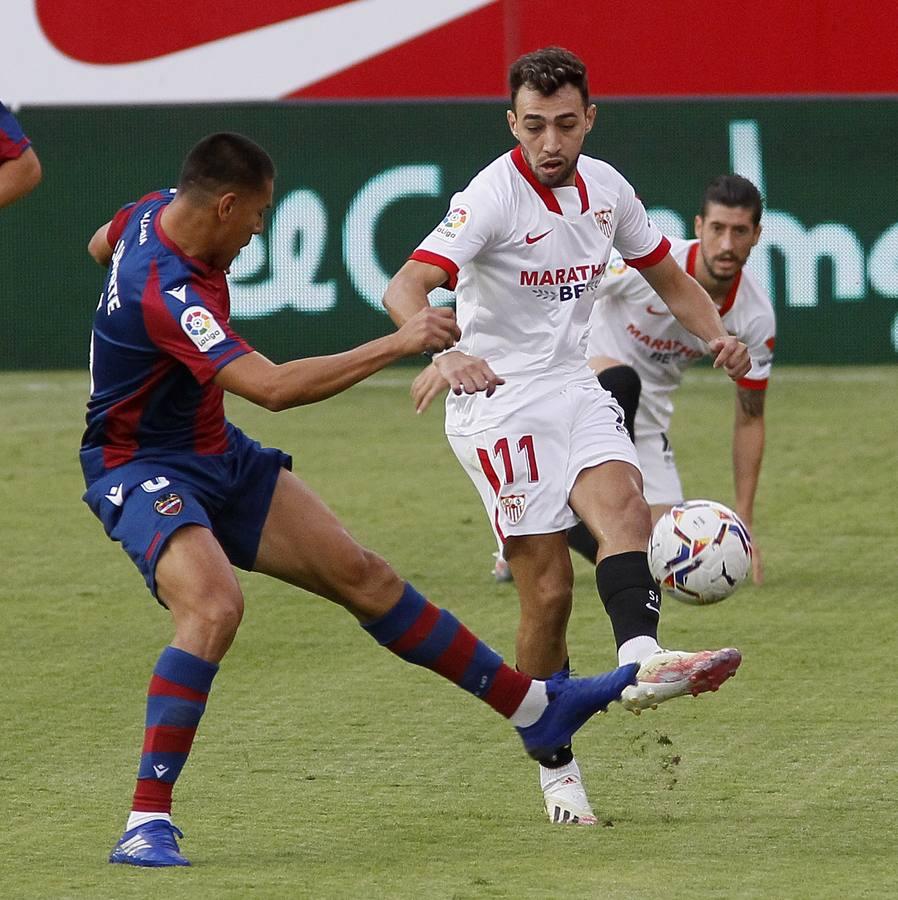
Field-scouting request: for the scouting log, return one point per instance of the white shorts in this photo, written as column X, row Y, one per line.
column 660, row 479
column 525, row 468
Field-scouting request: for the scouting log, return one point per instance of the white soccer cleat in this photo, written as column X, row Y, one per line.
column 565, row 796
column 501, row 569
column 674, row 673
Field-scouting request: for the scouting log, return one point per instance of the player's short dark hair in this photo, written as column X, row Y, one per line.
column 733, row 190
column 546, row 71
column 222, row 160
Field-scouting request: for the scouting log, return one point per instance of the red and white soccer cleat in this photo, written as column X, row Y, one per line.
column 674, row 673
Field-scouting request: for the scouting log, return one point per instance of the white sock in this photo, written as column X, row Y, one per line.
column 141, row 818
column 637, row 650
column 547, row 776
column 532, row 706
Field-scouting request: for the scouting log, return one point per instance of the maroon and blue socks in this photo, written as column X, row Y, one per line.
column 176, row 700
column 424, row 635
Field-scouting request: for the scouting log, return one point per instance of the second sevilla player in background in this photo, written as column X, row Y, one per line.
column 525, row 246
column 641, row 352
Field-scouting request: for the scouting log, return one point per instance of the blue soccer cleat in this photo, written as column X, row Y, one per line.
column 572, row 701
column 150, row 844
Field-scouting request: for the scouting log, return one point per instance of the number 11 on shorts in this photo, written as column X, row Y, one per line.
column 502, row 450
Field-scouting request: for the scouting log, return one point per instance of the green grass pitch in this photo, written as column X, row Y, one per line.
column 325, row 767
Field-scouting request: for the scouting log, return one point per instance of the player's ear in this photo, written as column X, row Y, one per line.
column 697, row 226
column 226, row 204
column 757, row 236
column 512, row 123
column 590, row 117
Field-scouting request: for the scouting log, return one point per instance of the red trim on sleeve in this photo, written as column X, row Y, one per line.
column 441, row 262
column 10, row 148
column 118, row 223
column 653, row 258
column 749, row 384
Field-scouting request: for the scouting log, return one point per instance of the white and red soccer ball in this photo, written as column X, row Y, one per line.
column 700, row 552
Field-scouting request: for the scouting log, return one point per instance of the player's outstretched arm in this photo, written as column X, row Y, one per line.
column 406, row 293
column 19, row 176
column 748, row 451
column 695, row 311
column 302, row 381
column 98, row 246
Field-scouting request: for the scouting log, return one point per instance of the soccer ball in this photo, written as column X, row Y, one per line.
column 700, row 552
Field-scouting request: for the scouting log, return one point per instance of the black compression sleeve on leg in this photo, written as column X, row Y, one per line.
column 580, row 538
column 631, row 596
column 625, row 385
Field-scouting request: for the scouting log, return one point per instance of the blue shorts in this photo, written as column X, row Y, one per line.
column 143, row 503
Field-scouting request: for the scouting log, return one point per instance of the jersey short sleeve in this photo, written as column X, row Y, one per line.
column 472, row 222
column 185, row 321
column 760, row 338
column 118, row 223
column 637, row 239
column 13, row 142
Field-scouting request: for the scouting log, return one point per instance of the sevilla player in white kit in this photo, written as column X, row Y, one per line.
column 641, row 352
column 525, row 246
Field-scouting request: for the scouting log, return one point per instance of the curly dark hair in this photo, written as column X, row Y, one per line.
column 733, row 190
column 546, row 71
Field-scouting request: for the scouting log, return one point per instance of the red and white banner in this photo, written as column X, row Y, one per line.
column 172, row 51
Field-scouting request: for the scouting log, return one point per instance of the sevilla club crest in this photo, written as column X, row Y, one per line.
column 603, row 220
column 513, row 507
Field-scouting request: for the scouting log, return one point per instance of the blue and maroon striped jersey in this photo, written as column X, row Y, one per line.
column 159, row 337
column 13, row 142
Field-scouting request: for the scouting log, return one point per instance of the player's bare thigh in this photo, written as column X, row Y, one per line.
column 304, row 544
column 608, row 498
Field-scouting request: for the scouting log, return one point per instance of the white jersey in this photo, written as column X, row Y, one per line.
column 525, row 262
column 630, row 323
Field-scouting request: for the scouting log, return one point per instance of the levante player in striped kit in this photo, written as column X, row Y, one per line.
column 189, row 496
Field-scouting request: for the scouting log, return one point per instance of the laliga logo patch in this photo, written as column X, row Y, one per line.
column 455, row 221
column 169, row 505
column 513, row 507
column 603, row 220
column 200, row 326
column 616, row 265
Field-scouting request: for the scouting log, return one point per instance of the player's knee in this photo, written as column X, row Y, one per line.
column 624, row 384
column 217, row 615
column 634, row 519
column 370, row 585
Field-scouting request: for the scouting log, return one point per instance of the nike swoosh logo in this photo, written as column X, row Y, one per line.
column 652, row 608
column 656, row 312
column 298, row 52
column 539, row 237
